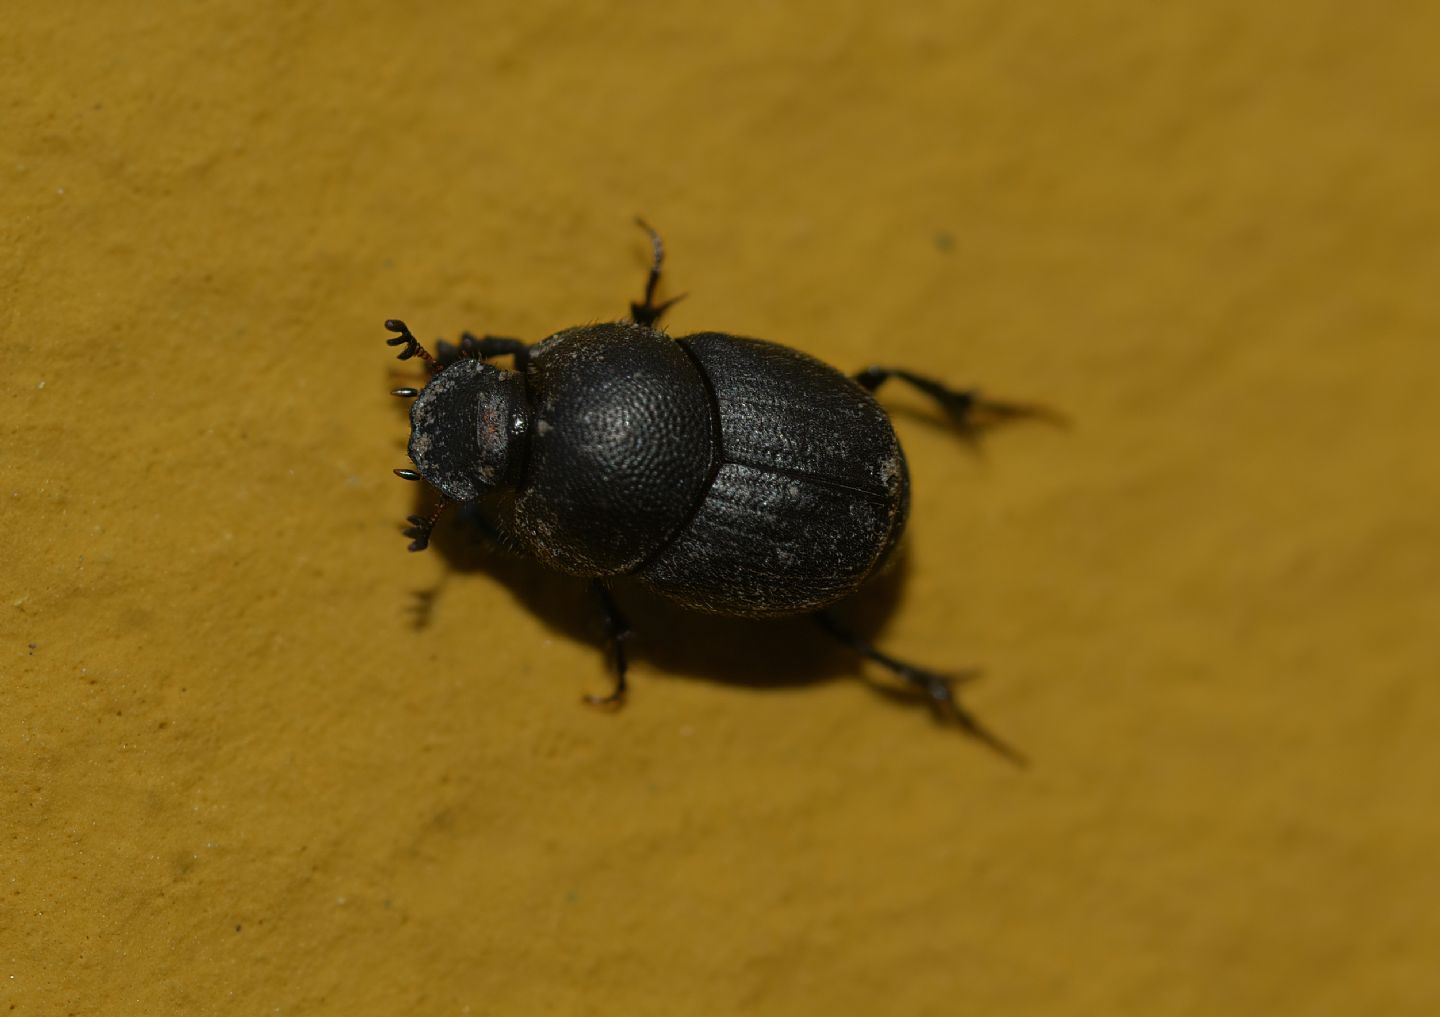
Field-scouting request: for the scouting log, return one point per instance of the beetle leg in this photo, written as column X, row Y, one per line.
column 617, row 630
column 474, row 514
column 937, row 688
column 482, row 346
column 648, row 312
column 965, row 406
column 474, row 347
column 446, row 353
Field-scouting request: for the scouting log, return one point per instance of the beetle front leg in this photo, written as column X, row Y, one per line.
column 485, row 346
column 937, row 688
column 648, row 312
column 617, row 630
column 965, row 406
column 478, row 347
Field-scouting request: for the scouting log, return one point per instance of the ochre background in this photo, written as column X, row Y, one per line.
column 239, row 777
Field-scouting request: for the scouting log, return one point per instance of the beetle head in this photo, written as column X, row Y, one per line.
column 468, row 429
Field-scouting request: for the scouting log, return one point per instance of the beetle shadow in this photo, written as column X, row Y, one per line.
column 974, row 435
column 755, row 653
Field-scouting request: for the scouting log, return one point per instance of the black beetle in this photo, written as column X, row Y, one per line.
column 735, row 476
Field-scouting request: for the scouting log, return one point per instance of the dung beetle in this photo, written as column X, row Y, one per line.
column 732, row 475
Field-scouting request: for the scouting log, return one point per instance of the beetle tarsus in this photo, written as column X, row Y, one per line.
column 966, row 407
column 617, row 630
column 937, row 688
column 647, row 312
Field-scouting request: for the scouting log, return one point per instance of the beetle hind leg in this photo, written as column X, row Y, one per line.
column 938, row 689
column 965, row 406
column 617, row 630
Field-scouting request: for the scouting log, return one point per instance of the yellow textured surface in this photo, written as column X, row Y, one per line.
column 237, row 779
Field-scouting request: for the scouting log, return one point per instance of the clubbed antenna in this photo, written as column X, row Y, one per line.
column 420, row 528
column 412, row 345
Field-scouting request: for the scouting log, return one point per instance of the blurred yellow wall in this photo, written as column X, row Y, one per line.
column 240, row 777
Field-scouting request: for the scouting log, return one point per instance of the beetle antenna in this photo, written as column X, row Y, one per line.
column 649, row 312
column 412, row 345
column 420, row 528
